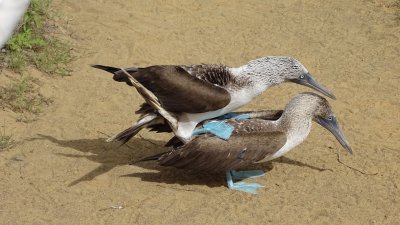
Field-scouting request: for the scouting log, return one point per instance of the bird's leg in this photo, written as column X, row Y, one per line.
column 241, row 186
column 239, row 175
column 220, row 129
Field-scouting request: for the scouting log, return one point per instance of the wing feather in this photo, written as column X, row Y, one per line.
column 207, row 153
column 178, row 91
column 190, row 89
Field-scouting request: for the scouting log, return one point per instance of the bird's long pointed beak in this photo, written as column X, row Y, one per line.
column 333, row 126
column 309, row 81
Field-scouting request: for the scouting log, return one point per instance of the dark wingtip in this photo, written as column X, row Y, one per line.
column 105, row 68
column 118, row 76
column 127, row 134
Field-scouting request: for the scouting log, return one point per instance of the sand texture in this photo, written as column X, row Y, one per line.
column 63, row 172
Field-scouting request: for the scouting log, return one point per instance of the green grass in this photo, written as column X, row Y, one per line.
column 32, row 45
column 14, row 60
column 23, row 97
column 54, row 58
column 6, row 141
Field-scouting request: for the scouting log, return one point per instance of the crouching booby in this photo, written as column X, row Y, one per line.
column 253, row 141
column 199, row 92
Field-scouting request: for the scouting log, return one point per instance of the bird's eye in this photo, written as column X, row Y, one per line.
column 330, row 118
column 302, row 76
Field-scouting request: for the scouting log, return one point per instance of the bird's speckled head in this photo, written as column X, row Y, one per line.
column 274, row 70
column 307, row 106
column 310, row 105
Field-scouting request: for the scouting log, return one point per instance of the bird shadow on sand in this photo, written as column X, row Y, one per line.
column 112, row 154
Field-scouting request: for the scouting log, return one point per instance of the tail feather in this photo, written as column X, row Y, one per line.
column 119, row 75
column 129, row 133
column 126, row 135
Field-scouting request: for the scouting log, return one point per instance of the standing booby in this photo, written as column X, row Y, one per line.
column 254, row 141
column 199, row 92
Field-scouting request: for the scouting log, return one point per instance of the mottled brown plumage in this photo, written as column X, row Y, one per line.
column 207, row 153
column 217, row 75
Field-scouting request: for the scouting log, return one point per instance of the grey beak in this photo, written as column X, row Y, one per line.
column 309, row 81
column 333, row 126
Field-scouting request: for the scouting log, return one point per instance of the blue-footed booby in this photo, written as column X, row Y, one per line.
column 199, row 92
column 253, row 140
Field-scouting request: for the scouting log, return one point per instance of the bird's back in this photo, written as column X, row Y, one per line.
column 249, row 143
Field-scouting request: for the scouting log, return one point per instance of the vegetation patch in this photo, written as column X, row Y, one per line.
column 54, row 58
column 6, row 141
column 23, row 97
column 32, row 45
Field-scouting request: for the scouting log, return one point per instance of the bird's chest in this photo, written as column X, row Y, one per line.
column 242, row 97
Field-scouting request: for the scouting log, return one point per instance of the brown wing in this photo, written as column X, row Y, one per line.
column 197, row 91
column 211, row 154
column 178, row 91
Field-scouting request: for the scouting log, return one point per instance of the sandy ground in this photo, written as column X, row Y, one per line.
column 62, row 171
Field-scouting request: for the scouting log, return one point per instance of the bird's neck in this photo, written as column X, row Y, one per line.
column 249, row 79
column 264, row 77
column 296, row 121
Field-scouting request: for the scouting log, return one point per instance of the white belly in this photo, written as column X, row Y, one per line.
column 187, row 122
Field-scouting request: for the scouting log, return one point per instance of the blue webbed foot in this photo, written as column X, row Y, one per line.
column 221, row 129
column 242, row 186
column 218, row 128
column 239, row 175
column 246, row 187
